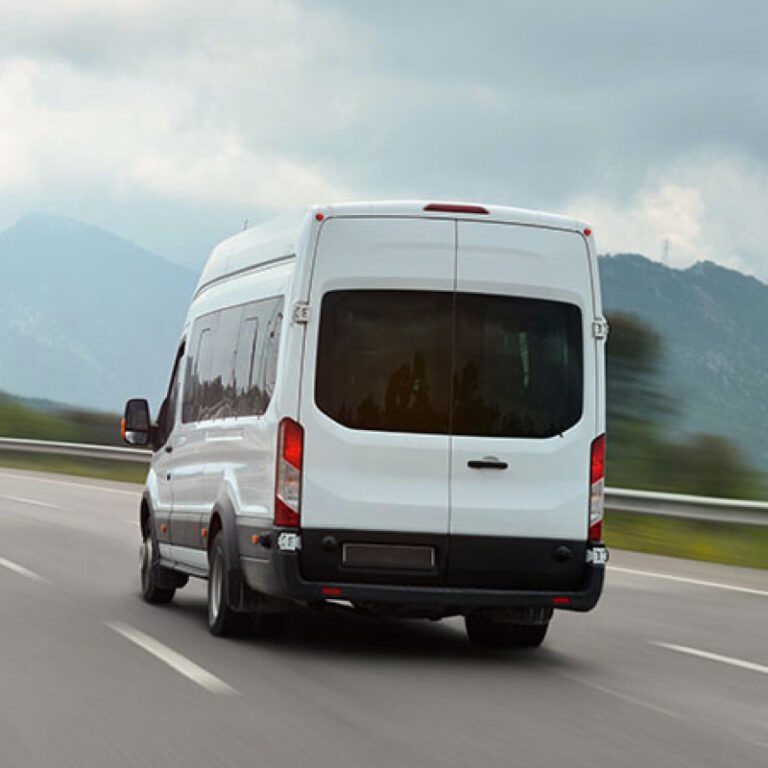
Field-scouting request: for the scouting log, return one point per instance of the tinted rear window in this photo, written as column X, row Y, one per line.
column 463, row 364
column 518, row 366
column 384, row 359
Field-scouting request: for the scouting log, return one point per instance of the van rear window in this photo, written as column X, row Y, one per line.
column 444, row 363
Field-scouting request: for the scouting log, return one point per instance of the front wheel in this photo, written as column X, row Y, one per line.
column 496, row 634
column 152, row 573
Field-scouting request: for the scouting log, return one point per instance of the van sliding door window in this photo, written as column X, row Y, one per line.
column 412, row 361
column 383, row 360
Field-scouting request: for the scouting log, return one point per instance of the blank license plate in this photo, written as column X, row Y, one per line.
column 388, row 556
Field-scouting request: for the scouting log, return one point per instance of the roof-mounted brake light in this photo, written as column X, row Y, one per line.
column 454, row 208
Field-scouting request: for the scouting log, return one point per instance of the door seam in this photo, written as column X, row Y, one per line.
column 451, row 396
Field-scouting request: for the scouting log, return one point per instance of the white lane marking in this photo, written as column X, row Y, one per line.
column 173, row 659
column 686, row 580
column 34, row 502
column 21, row 570
column 752, row 667
column 88, row 486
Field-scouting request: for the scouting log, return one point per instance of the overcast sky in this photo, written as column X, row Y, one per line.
column 171, row 122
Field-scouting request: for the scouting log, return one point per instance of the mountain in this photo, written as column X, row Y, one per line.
column 90, row 319
column 87, row 317
column 713, row 323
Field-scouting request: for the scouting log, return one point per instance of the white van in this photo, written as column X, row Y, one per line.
column 397, row 405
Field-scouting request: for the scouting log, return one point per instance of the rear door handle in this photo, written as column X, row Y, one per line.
column 487, row 463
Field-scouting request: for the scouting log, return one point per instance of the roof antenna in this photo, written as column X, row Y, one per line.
column 245, row 224
column 665, row 256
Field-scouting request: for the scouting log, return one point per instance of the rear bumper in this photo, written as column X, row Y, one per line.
column 280, row 576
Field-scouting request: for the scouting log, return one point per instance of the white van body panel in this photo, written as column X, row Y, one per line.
column 389, row 483
column 384, row 481
column 544, row 492
column 229, row 458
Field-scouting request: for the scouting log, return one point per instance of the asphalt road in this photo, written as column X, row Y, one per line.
column 671, row 669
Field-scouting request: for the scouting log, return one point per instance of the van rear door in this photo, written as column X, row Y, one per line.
column 524, row 411
column 375, row 400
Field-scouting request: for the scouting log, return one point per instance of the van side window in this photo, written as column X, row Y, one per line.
column 167, row 416
column 271, row 351
column 232, row 364
column 198, row 361
column 219, row 402
column 246, row 351
column 256, row 372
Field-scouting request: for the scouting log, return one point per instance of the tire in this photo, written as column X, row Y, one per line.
column 495, row 634
column 222, row 620
column 152, row 574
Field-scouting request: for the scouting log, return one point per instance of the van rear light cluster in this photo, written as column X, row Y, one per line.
column 597, row 489
column 290, row 455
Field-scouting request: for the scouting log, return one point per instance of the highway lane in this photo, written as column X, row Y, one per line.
column 78, row 688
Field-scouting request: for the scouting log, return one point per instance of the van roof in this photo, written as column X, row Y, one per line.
column 279, row 238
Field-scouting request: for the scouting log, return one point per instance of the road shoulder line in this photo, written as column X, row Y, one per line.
column 33, row 502
column 688, row 580
column 751, row 666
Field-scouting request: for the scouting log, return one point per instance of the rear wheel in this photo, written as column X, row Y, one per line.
column 223, row 621
column 496, row 634
column 153, row 575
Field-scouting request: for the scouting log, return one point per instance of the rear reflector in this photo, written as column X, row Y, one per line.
column 454, row 208
column 561, row 601
column 597, row 489
column 331, row 591
column 290, row 457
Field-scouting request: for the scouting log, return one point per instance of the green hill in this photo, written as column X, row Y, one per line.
column 713, row 324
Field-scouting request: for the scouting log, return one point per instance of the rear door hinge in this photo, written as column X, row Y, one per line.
column 301, row 312
column 600, row 328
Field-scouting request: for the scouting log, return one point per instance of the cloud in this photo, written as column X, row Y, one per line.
column 707, row 206
column 242, row 108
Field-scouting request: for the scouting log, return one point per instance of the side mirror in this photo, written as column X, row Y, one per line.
column 136, row 427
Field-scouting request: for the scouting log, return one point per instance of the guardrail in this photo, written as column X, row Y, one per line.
column 82, row 450
column 702, row 508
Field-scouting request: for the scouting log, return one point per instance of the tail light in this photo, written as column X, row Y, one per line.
column 290, row 454
column 597, row 489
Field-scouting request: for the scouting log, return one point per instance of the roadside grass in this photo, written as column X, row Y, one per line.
column 730, row 544
column 72, row 465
